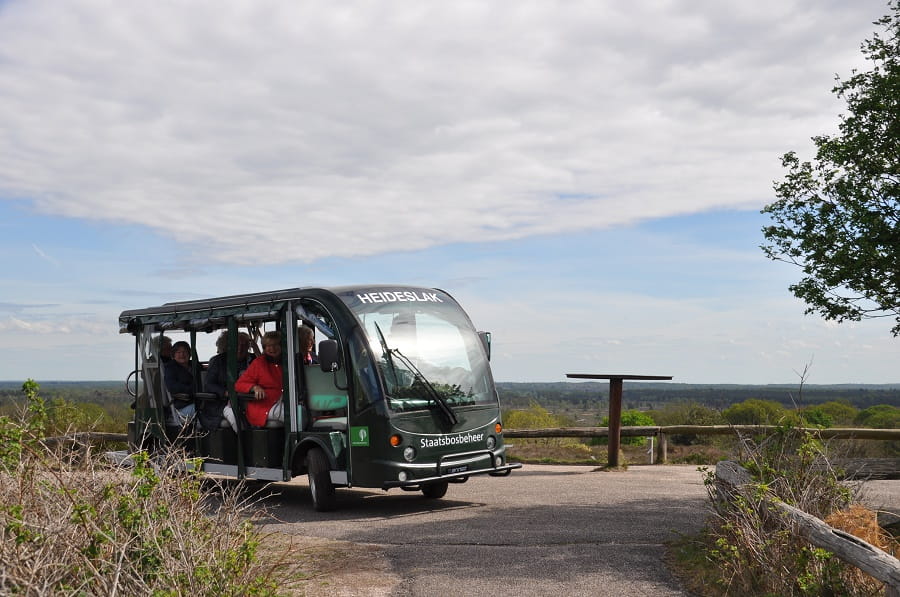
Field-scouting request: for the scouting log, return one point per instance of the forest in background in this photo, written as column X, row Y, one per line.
column 583, row 397
column 581, row 402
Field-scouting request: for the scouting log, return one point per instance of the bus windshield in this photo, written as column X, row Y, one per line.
column 426, row 350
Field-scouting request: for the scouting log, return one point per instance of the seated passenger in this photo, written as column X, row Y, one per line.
column 263, row 379
column 165, row 349
column 180, row 380
column 307, row 337
column 210, row 412
column 161, row 346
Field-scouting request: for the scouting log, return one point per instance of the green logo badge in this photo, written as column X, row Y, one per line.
column 359, row 436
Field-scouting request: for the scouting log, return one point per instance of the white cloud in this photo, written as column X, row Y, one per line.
column 63, row 326
column 320, row 129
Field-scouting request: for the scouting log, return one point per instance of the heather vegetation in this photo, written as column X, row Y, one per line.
column 104, row 406
column 750, row 548
column 688, row 447
column 79, row 527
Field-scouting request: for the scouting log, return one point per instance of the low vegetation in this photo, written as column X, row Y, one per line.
column 90, row 529
column 693, row 448
column 749, row 549
column 76, row 526
column 556, row 450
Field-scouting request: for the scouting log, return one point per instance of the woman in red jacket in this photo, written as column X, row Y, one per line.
column 263, row 379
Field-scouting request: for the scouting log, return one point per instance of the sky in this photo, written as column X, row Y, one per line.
column 586, row 178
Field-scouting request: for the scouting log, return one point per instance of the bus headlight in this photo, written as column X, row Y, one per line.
column 491, row 442
column 498, row 460
column 409, row 453
column 402, row 476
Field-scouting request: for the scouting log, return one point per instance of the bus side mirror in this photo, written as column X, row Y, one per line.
column 486, row 340
column 329, row 359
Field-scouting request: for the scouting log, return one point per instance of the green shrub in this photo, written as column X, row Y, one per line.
column 882, row 416
column 538, row 417
column 688, row 413
column 815, row 417
column 534, row 417
column 756, row 412
column 630, row 418
column 841, row 412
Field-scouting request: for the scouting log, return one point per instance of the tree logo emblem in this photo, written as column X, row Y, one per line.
column 359, row 436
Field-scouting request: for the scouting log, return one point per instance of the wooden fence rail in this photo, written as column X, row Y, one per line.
column 661, row 433
column 85, row 437
column 887, row 466
column 731, row 479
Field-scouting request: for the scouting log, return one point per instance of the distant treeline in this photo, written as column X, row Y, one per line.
column 557, row 396
column 587, row 396
column 97, row 392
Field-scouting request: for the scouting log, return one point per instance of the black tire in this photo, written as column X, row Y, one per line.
column 435, row 491
column 320, row 485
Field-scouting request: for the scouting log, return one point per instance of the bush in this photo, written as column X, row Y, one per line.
column 756, row 412
column 841, row 412
column 630, row 418
column 151, row 530
column 882, row 416
column 815, row 417
column 688, row 413
column 534, row 417
column 753, row 548
column 556, row 449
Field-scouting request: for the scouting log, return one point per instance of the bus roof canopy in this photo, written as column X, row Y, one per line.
column 209, row 313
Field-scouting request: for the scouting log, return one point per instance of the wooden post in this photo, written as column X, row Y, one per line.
column 615, row 421
column 662, row 448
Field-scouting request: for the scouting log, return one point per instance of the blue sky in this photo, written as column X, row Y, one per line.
column 585, row 179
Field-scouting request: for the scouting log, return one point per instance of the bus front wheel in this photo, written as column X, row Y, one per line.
column 434, row 491
column 320, row 485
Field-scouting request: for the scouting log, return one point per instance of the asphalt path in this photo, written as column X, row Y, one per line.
column 561, row 530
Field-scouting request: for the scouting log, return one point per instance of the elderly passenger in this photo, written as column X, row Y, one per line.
column 180, row 379
column 263, row 379
column 211, row 411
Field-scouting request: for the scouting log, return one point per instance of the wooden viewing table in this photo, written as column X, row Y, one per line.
column 615, row 406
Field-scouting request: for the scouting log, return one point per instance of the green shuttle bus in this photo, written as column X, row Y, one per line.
column 401, row 395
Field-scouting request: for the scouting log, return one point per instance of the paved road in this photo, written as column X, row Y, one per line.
column 560, row 530
column 543, row 530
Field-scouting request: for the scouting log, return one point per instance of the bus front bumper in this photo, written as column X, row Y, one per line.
column 455, row 470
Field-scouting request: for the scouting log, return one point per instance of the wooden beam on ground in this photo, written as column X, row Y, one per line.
column 875, row 562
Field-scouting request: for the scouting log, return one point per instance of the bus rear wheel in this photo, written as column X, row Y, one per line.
column 320, row 485
column 435, row 491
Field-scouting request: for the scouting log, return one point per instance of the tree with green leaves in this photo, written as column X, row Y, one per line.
column 838, row 217
column 632, row 418
column 756, row 412
column 880, row 416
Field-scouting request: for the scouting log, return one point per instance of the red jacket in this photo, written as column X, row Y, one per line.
column 266, row 373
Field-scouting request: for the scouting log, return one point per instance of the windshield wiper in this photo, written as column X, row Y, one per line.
column 387, row 353
column 439, row 399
